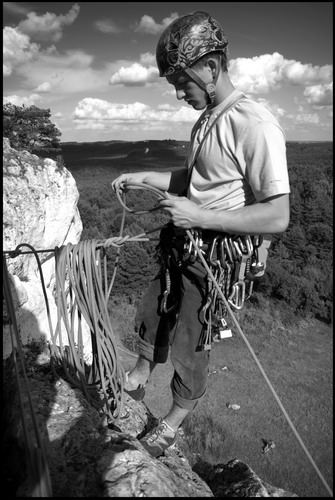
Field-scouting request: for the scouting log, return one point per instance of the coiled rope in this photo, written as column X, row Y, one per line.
column 82, row 293
column 160, row 194
column 84, row 267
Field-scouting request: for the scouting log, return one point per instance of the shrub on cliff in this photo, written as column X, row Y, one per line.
column 31, row 129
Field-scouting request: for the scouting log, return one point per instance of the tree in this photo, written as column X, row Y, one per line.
column 31, row 129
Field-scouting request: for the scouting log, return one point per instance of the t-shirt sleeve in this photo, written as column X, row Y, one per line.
column 266, row 163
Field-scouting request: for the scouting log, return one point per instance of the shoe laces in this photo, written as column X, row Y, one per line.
column 157, row 431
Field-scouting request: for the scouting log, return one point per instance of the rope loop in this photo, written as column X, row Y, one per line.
column 125, row 186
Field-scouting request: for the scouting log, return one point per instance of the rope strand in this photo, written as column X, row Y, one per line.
column 214, row 281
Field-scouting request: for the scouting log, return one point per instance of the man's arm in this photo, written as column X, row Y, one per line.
column 269, row 216
column 174, row 181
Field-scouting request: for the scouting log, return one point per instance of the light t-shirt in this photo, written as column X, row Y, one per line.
column 242, row 159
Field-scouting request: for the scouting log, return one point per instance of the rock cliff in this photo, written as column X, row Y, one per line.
column 39, row 209
column 89, row 458
column 86, row 456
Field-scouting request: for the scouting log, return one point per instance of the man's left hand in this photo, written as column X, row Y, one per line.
column 184, row 213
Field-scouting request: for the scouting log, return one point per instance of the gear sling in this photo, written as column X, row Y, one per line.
column 235, row 260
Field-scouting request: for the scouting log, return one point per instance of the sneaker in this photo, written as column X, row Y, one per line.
column 159, row 439
column 136, row 393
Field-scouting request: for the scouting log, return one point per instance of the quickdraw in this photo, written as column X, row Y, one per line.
column 235, row 263
column 168, row 302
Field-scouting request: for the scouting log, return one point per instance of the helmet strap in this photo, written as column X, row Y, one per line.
column 210, row 89
column 207, row 87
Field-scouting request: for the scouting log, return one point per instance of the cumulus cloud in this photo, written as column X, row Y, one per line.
column 306, row 74
column 148, row 25
column 97, row 111
column 306, row 118
column 22, row 100
column 44, row 87
column 67, row 73
column 107, row 26
column 169, row 92
column 275, row 109
column 148, row 59
column 260, row 74
column 17, row 49
column 319, row 95
column 302, row 119
column 49, row 26
column 166, row 107
column 134, row 75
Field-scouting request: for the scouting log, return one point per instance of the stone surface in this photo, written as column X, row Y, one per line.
column 90, row 457
column 39, row 209
column 85, row 456
column 237, row 479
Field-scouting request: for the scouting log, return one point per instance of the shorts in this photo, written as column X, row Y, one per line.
column 182, row 329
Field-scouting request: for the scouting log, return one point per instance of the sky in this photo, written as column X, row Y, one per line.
column 93, row 65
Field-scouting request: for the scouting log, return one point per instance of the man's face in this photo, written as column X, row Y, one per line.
column 187, row 89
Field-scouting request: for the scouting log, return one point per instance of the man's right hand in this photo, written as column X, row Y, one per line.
column 138, row 177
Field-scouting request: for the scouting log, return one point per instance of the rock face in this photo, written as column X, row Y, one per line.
column 39, row 208
column 236, row 479
column 88, row 458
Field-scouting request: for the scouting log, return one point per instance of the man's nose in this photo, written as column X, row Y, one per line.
column 180, row 94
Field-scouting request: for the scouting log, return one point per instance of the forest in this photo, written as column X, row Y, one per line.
column 300, row 263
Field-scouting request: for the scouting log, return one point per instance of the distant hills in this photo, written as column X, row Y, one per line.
column 156, row 142
column 150, row 151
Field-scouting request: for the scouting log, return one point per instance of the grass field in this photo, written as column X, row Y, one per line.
column 296, row 355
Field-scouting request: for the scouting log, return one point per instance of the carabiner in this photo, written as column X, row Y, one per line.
column 216, row 262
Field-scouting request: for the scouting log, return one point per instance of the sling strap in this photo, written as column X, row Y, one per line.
column 230, row 104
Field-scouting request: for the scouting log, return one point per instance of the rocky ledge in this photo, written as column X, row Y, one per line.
column 89, row 457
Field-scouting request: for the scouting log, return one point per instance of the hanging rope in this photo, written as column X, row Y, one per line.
column 37, row 465
column 219, row 290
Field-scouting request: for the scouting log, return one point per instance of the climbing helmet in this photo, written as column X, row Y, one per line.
column 187, row 39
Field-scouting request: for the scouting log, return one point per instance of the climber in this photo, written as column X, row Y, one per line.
column 235, row 181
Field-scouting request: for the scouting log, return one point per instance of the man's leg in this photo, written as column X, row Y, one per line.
column 140, row 373
column 154, row 329
column 176, row 416
column 190, row 362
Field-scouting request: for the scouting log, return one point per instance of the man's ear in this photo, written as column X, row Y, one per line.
column 213, row 66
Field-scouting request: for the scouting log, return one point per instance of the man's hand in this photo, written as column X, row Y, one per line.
column 137, row 177
column 184, row 213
